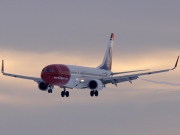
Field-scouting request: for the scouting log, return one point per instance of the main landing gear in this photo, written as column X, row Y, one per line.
column 94, row 92
column 65, row 93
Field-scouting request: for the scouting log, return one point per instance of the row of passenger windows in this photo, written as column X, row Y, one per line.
column 89, row 74
column 52, row 70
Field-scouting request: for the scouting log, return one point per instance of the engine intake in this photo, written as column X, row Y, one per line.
column 43, row 86
column 95, row 85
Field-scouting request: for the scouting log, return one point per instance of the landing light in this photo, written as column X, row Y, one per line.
column 81, row 81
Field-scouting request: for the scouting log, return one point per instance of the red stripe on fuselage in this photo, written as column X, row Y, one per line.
column 56, row 74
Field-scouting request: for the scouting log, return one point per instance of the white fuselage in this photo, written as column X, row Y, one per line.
column 79, row 74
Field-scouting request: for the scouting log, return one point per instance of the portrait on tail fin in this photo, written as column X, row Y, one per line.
column 107, row 61
column 109, row 64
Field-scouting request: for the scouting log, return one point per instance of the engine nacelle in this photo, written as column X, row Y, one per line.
column 43, row 86
column 95, row 84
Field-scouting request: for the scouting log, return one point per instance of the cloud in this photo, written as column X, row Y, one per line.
column 125, row 111
column 43, row 27
column 31, row 64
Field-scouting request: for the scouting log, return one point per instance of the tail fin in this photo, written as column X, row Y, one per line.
column 107, row 61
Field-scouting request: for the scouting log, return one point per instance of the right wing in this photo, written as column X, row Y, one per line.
column 19, row 76
column 118, row 79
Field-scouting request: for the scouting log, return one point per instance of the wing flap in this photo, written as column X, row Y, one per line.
column 124, row 78
column 115, row 80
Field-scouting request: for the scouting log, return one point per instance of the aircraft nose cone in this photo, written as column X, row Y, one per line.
column 49, row 74
column 56, row 75
column 43, row 76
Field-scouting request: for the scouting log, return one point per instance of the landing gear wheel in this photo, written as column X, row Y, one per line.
column 50, row 91
column 92, row 93
column 67, row 93
column 62, row 94
column 96, row 93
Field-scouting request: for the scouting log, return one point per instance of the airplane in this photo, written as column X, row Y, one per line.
column 79, row 77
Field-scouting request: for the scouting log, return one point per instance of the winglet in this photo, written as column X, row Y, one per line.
column 176, row 63
column 2, row 69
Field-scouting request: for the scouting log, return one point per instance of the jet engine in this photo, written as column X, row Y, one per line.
column 43, row 86
column 95, row 85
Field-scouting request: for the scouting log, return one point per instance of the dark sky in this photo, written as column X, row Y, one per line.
column 44, row 26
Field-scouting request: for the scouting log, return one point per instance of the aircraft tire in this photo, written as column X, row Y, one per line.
column 67, row 93
column 62, row 94
column 96, row 93
column 50, row 91
column 92, row 93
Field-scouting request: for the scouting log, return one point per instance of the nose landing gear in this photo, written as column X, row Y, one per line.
column 50, row 88
column 50, row 91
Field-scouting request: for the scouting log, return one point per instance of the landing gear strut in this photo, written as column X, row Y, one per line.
column 50, row 88
column 50, row 91
column 94, row 92
column 65, row 93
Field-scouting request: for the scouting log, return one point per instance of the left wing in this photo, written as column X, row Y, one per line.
column 118, row 79
column 19, row 76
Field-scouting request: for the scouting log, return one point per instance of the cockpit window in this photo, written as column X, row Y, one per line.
column 48, row 70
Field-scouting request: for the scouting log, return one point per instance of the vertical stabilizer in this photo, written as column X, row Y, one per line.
column 107, row 61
